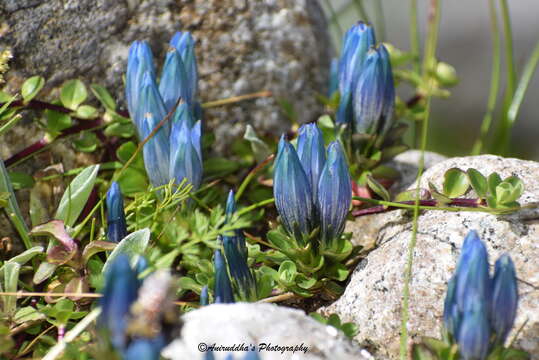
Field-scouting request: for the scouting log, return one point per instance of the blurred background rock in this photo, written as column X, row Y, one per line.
column 465, row 43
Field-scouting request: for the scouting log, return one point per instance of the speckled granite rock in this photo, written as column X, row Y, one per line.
column 243, row 46
column 253, row 324
column 373, row 297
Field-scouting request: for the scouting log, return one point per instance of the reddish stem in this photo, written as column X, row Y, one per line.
column 472, row 203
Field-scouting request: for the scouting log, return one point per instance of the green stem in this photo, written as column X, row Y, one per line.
column 251, row 175
column 523, row 84
column 429, row 62
column 262, row 203
column 414, row 35
column 503, row 138
column 494, row 80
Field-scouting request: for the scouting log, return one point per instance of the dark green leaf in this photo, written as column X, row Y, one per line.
column 103, row 96
column 87, row 142
column 493, row 181
column 72, row 94
column 31, row 87
column 21, row 180
column 479, row 182
column 86, row 112
column 455, row 183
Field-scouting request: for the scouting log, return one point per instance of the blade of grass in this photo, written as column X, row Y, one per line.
column 494, row 80
column 414, row 35
column 429, row 62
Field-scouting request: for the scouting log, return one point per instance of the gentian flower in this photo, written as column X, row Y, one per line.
column 184, row 43
column 312, row 154
column 185, row 153
column 374, row 96
column 116, row 225
column 474, row 332
column 357, row 41
column 503, row 308
column 204, row 298
column 139, row 61
column 223, row 288
column 451, row 311
column 173, row 84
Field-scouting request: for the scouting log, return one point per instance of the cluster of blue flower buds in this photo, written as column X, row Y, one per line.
column 365, row 83
column 250, row 355
column 174, row 150
column 312, row 187
column 479, row 311
column 116, row 224
column 232, row 273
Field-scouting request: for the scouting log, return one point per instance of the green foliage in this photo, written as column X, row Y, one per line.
column 349, row 329
column 31, row 87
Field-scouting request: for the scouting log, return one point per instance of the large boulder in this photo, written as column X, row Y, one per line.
column 287, row 334
column 243, row 47
column 373, row 297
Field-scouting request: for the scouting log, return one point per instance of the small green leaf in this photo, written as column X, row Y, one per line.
column 103, row 96
column 43, row 272
column 260, row 149
column 21, row 180
column 24, row 257
column 86, row 112
column 73, row 93
column 378, row 188
column 187, row 283
column 87, row 142
column 518, row 186
column 76, row 195
column 287, row 272
column 506, row 193
column 479, row 182
column 133, row 181
column 57, row 121
column 31, row 87
column 95, row 247
column 124, row 130
column 27, row 313
column 327, row 127
column 132, row 245
column 493, row 181
column 11, row 278
column 455, row 183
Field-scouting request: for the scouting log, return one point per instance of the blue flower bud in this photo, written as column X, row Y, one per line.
column 251, row 355
column 143, row 349
column 504, row 303
column 312, row 154
column 173, row 84
column 292, row 192
column 333, row 76
column 209, row 355
column 474, row 333
column 185, row 44
column 185, row 153
column 374, row 96
column 357, row 41
column 183, row 115
column 204, row 298
column 334, row 194
column 116, row 225
column 223, row 289
column 139, row 61
column 451, row 312
column 120, row 292
column 230, row 208
column 472, row 273
column 236, row 258
column 150, row 102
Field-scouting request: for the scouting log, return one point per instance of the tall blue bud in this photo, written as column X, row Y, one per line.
column 474, row 333
column 472, row 273
column 504, row 302
column 312, row 154
column 204, row 297
column 185, row 153
column 292, row 192
column 452, row 314
column 139, row 61
column 223, row 288
column 184, row 43
column 116, row 225
column 357, row 41
column 121, row 286
column 173, row 84
column 334, row 194
column 236, row 259
column 143, row 349
column 374, row 96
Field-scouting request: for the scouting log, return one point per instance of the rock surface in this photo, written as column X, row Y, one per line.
column 373, row 297
column 243, row 47
column 253, row 324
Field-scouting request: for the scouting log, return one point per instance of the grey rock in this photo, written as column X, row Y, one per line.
column 373, row 297
column 253, row 324
column 243, row 47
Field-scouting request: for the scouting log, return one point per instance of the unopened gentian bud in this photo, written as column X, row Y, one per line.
column 374, row 97
column 451, row 312
column 474, row 333
column 185, row 153
column 150, row 102
column 334, row 194
column 472, row 273
column 236, row 258
column 223, row 288
column 116, row 225
column 120, row 292
column 312, row 154
column 173, row 84
column 357, row 41
column 139, row 61
column 184, row 43
column 204, row 298
column 251, row 355
column 504, row 302
column 292, row 192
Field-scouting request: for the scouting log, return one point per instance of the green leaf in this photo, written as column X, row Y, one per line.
column 518, row 186
column 219, row 167
column 31, row 87
column 76, row 196
column 337, row 272
column 327, row 127
column 27, row 313
column 455, row 183
column 260, row 149
column 43, row 272
column 72, row 94
column 21, row 180
column 11, row 278
column 57, row 121
column 86, row 112
column 87, row 142
column 287, row 272
column 493, row 181
column 103, row 96
column 133, row 181
column 506, row 193
column 132, row 245
column 124, row 130
column 95, row 247
column 23, row 257
column 378, row 188
column 278, row 239
column 187, row 283
column 479, row 182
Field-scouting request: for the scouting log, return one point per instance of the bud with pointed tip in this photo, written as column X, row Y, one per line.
column 504, row 302
column 116, row 224
column 223, row 288
column 184, row 43
column 139, row 61
column 474, row 333
column 173, row 84
column 186, row 153
column 312, row 154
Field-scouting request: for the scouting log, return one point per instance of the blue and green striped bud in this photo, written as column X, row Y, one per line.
column 504, row 302
column 452, row 315
column 223, row 288
column 116, row 224
column 184, row 43
column 139, row 61
column 312, row 155
column 173, row 84
column 186, row 153
column 474, row 332
column 204, row 297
